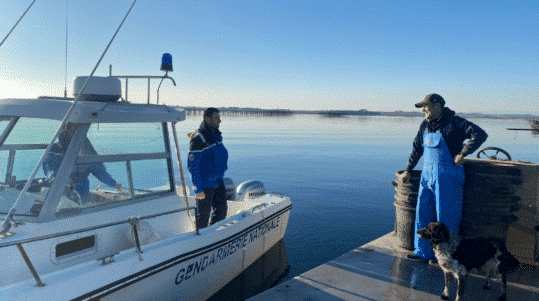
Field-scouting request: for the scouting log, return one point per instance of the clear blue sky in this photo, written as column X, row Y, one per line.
column 481, row 56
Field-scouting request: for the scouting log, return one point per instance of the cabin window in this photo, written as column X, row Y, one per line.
column 153, row 176
column 127, row 138
column 33, row 131
column 19, row 155
column 4, row 122
column 85, row 188
column 133, row 156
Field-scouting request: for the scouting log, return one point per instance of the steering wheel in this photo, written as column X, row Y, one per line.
column 495, row 156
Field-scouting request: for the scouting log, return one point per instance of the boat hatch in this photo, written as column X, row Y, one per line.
column 89, row 167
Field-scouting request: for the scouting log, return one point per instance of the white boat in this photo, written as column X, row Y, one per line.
column 138, row 242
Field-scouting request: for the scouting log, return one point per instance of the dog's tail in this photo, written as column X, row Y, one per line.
column 508, row 263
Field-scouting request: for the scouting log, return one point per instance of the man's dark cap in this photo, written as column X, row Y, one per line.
column 431, row 99
column 209, row 112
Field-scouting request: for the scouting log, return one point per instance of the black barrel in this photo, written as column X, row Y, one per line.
column 405, row 208
column 489, row 199
column 488, row 204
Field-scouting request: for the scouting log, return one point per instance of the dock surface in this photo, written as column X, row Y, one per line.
column 379, row 270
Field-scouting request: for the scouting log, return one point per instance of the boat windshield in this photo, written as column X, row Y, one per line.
column 25, row 142
column 116, row 162
column 87, row 167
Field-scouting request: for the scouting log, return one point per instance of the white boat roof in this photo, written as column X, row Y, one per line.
column 90, row 111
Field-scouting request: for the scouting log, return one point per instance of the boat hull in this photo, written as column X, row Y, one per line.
column 185, row 267
column 202, row 272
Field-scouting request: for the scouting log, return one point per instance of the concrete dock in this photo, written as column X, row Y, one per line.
column 379, row 270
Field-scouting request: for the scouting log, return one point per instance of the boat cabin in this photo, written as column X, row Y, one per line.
column 107, row 154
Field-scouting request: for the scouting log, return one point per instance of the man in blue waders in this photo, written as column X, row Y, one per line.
column 440, row 141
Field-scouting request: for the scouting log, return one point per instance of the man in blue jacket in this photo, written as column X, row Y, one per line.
column 440, row 141
column 78, row 180
column 207, row 164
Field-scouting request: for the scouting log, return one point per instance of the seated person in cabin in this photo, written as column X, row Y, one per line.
column 78, row 180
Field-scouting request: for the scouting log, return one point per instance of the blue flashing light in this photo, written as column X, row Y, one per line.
column 166, row 62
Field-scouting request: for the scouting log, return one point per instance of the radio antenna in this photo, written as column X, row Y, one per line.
column 65, row 72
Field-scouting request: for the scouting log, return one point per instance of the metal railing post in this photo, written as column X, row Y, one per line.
column 133, row 221
column 130, row 178
column 196, row 221
column 30, row 266
column 126, row 87
column 148, row 90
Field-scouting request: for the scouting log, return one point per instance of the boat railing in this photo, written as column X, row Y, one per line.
column 133, row 221
column 149, row 77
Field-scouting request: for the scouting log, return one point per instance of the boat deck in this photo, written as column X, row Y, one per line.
column 379, row 270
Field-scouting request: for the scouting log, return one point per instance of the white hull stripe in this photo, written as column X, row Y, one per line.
column 122, row 283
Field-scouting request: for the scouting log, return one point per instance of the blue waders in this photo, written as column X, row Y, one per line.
column 440, row 191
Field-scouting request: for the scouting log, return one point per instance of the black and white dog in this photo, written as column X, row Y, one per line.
column 458, row 256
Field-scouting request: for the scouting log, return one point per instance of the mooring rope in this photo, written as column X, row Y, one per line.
column 17, row 22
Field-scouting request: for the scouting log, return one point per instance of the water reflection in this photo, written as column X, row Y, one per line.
column 266, row 272
column 332, row 115
column 534, row 123
column 338, row 165
column 242, row 112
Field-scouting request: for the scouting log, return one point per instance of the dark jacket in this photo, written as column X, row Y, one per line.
column 208, row 158
column 455, row 130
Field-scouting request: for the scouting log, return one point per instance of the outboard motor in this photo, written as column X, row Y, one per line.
column 250, row 189
column 230, row 189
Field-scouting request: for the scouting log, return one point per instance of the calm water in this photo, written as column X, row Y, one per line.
column 337, row 171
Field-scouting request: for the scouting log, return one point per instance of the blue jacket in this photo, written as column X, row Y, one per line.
column 79, row 176
column 208, row 158
column 455, row 130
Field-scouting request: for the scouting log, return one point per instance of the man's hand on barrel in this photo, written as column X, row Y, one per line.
column 405, row 176
column 459, row 159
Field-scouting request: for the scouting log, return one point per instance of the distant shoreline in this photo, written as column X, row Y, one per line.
column 344, row 113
